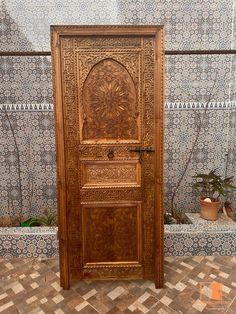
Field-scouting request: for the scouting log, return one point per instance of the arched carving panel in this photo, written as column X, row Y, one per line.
column 110, row 107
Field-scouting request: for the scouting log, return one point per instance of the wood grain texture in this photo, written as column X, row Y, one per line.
column 159, row 160
column 108, row 95
column 60, row 161
column 111, row 233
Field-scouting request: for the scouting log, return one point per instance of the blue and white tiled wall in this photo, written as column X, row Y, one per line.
column 190, row 24
column 26, row 90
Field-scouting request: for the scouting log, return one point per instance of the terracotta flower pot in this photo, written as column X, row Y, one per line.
column 209, row 210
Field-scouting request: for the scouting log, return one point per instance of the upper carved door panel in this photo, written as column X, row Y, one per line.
column 109, row 104
column 109, row 92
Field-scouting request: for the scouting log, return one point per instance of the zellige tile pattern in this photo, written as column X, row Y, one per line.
column 34, row 133
column 198, row 24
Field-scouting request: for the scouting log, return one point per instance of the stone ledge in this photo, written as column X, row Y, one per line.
column 202, row 237
column 28, row 242
column 223, row 224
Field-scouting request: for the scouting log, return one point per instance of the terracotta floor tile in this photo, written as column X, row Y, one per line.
column 32, row 286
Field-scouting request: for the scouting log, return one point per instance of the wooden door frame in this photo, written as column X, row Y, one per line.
column 58, row 31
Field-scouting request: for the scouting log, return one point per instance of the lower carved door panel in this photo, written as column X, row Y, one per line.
column 108, row 100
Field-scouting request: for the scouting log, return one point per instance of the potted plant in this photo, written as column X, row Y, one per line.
column 211, row 187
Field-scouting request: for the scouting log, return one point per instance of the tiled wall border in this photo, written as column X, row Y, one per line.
column 27, row 107
column 168, row 106
column 198, row 105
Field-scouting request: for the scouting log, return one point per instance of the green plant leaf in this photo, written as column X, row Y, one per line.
column 210, row 184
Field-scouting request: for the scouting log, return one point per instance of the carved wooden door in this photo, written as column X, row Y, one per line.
column 108, row 97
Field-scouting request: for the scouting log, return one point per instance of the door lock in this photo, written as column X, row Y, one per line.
column 142, row 149
column 110, row 154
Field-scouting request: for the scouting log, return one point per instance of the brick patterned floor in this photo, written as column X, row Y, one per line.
column 32, row 286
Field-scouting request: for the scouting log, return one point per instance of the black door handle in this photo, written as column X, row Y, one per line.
column 142, row 149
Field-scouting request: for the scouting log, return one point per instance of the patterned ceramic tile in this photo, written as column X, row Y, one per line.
column 13, row 37
column 205, row 24
column 34, row 133
column 28, row 242
column 231, row 164
column 201, row 237
column 26, row 107
column 233, row 44
column 191, row 24
column 198, row 78
column 25, row 80
column 191, row 244
column 209, row 153
column 29, row 230
column 32, row 286
column 129, row 12
column 233, row 78
column 35, row 18
column 189, row 79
